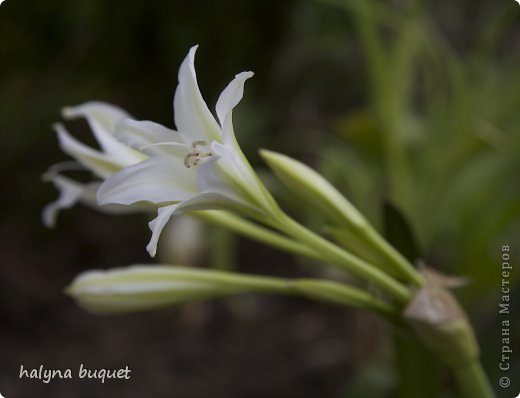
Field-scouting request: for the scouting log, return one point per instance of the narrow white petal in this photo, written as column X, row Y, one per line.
column 212, row 178
column 157, row 225
column 70, row 193
column 89, row 199
column 192, row 117
column 202, row 201
column 102, row 118
column 228, row 133
column 231, row 159
column 231, row 154
column 158, row 179
column 198, row 202
column 99, row 163
column 231, row 96
column 150, row 138
column 233, row 166
column 207, row 201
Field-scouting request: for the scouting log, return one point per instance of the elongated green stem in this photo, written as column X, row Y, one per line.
column 338, row 293
column 301, row 246
column 418, row 368
column 341, row 258
column 390, row 254
column 256, row 232
column 334, row 254
column 472, row 381
column 250, row 282
column 315, row 289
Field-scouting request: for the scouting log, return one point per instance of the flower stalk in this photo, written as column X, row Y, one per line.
column 254, row 231
column 143, row 287
column 335, row 255
column 472, row 380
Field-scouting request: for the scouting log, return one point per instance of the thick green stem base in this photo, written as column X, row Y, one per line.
column 472, row 381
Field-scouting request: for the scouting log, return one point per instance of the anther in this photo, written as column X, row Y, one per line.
column 194, row 157
column 195, row 144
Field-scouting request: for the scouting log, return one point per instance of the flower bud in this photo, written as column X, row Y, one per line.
column 142, row 287
column 313, row 187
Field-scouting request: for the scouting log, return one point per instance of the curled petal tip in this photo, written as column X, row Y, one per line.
column 66, row 111
column 57, row 127
column 246, row 74
column 152, row 250
column 192, row 52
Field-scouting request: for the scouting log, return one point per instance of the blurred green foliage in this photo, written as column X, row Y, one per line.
column 439, row 136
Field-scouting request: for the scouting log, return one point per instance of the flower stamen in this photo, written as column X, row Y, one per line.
column 195, row 156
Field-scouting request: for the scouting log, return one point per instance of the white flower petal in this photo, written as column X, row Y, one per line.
column 231, row 158
column 102, row 118
column 150, row 138
column 212, row 178
column 89, row 198
column 209, row 200
column 228, row 133
column 203, row 201
column 231, row 96
column 98, row 162
column 192, row 116
column 70, row 193
column 158, row 179
column 239, row 176
column 157, row 225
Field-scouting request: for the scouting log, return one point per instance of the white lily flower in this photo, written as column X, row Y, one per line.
column 102, row 119
column 110, row 158
column 200, row 166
